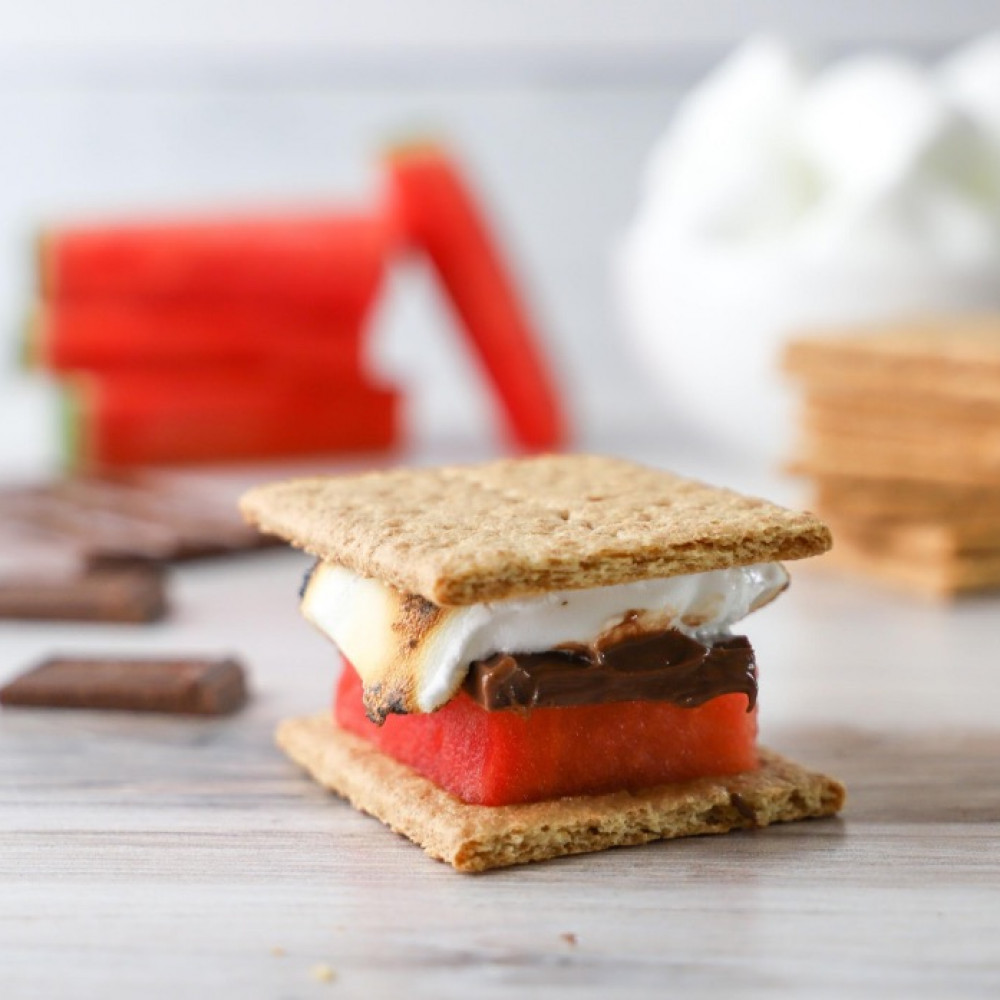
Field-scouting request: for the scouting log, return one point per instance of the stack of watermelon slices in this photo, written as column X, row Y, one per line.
column 244, row 338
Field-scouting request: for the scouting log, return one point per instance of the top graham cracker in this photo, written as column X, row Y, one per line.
column 515, row 527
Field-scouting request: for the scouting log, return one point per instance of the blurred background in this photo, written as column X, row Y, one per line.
column 600, row 226
column 111, row 110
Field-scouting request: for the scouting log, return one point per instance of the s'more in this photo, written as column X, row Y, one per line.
column 539, row 655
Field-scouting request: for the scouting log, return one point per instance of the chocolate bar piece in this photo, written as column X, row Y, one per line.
column 125, row 592
column 179, row 686
column 104, row 518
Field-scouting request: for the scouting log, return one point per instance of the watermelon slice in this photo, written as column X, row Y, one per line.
column 336, row 259
column 438, row 215
column 144, row 418
column 505, row 757
column 106, row 334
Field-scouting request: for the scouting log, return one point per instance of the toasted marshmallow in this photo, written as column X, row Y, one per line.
column 413, row 655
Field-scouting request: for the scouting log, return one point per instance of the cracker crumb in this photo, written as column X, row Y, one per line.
column 570, row 938
column 323, row 973
column 278, row 951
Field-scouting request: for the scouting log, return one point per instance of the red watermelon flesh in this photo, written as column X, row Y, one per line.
column 496, row 758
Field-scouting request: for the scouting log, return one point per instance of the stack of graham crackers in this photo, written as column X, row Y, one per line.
column 901, row 438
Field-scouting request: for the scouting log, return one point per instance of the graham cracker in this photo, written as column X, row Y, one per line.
column 956, row 356
column 979, row 439
column 954, row 462
column 515, row 527
column 901, row 407
column 940, row 578
column 905, row 500
column 917, row 540
column 476, row 838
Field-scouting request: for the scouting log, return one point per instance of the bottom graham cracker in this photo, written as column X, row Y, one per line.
column 475, row 838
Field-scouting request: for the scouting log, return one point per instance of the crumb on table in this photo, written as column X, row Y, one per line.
column 323, row 973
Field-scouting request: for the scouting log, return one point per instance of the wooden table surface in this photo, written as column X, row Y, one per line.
column 164, row 857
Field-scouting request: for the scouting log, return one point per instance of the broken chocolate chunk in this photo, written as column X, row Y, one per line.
column 127, row 591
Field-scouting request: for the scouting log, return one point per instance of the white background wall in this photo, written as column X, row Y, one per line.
column 109, row 107
column 387, row 25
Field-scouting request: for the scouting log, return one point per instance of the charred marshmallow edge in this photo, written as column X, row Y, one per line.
column 377, row 628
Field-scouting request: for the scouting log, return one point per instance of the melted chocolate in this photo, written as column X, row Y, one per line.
column 658, row 666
